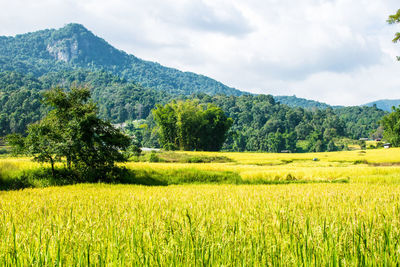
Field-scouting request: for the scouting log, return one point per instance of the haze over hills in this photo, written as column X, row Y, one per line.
column 294, row 101
column 385, row 104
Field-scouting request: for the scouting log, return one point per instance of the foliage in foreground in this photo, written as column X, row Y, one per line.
column 204, row 225
column 349, row 224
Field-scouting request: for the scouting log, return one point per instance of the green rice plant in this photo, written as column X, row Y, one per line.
column 259, row 209
column 295, row 224
column 179, row 176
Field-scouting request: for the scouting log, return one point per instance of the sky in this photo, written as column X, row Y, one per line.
column 334, row 51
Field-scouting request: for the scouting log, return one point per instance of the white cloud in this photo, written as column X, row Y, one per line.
column 337, row 51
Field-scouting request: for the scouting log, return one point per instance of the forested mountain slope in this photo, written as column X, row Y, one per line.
column 73, row 46
column 118, row 100
column 293, row 101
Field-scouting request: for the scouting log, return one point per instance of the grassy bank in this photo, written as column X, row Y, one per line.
column 371, row 166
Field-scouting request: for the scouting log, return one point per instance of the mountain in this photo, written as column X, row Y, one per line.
column 385, row 104
column 73, row 47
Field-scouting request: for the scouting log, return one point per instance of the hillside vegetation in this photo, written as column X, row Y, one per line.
column 293, row 101
column 259, row 122
column 73, row 46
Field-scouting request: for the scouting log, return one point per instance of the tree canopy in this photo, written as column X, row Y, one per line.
column 395, row 18
column 391, row 125
column 188, row 125
column 73, row 131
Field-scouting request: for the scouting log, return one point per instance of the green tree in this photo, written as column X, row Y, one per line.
column 395, row 18
column 316, row 142
column 72, row 131
column 391, row 126
column 276, row 142
column 290, row 141
column 42, row 142
column 190, row 126
column 239, row 141
column 331, row 146
column 215, row 126
column 166, row 118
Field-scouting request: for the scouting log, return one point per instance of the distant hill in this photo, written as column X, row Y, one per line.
column 385, row 104
column 73, row 47
column 293, row 101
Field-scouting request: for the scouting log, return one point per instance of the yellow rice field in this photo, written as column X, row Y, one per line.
column 381, row 165
column 319, row 224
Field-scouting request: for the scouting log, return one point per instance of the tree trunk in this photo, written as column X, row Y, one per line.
column 68, row 163
column 52, row 168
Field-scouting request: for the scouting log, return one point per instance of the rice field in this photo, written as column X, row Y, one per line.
column 368, row 166
column 354, row 223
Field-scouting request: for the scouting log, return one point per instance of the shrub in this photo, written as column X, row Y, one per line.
column 154, row 158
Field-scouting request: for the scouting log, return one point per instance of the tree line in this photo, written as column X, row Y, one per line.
column 257, row 119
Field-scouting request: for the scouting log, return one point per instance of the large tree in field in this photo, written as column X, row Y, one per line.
column 72, row 131
column 188, row 125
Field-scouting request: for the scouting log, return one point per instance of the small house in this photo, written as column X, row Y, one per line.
column 387, row 145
